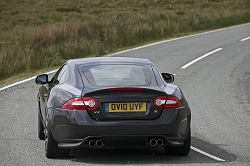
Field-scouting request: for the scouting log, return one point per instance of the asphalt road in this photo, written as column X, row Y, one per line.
column 217, row 88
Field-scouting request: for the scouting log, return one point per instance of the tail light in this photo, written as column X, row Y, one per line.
column 160, row 101
column 167, row 102
column 173, row 102
column 81, row 103
column 90, row 103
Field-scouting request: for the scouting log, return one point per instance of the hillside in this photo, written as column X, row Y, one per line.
column 39, row 34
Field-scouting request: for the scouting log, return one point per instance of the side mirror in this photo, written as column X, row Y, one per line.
column 42, row 79
column 168, row 77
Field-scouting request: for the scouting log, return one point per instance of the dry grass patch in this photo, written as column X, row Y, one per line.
column 45, row 33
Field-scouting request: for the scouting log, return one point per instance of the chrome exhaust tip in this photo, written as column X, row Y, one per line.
column 99, row 143
column 153, row 142
column 159, row 142
column 92, row 143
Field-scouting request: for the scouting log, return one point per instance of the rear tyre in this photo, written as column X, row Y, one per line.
column 41, row 134
column 179, row 150
column 51, row 147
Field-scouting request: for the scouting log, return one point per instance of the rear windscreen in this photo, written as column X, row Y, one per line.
column 117, row 75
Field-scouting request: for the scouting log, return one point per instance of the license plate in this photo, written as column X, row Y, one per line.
column 125, row 107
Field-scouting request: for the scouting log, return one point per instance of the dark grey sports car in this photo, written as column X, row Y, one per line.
column 111, row 102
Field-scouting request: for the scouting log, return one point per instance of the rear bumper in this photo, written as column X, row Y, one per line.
column 74, row 129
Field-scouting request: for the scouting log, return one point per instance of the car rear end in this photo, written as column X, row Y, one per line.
column 122, row 105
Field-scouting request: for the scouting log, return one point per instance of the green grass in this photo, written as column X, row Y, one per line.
column 36, row 35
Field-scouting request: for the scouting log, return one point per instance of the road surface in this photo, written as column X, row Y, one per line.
column 212, row 69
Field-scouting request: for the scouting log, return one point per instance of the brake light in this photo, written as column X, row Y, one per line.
column 167, row 102
column 173, row 102
column 125, row 88
column 80, row 103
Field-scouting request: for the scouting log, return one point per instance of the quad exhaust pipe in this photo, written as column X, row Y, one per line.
column 156, row 142
column 99, row 143
column 96, row 143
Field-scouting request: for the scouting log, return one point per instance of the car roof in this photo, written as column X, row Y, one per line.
column 103, row 60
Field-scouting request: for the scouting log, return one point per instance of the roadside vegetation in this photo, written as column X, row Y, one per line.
column 36, row 35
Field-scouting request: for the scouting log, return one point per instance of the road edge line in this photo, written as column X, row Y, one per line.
column 169, row 40
column 245, row 39
column 200, row 58
column 25, row 80
column 207, row 154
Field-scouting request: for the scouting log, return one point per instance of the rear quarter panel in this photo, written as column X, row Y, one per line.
column 62, row 93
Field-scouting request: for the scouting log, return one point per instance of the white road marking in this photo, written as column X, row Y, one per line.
column 245, row 39
column 207, row 154
column 197, row 59
column 19, row 82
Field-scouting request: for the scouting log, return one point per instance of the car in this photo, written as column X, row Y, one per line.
column 112, row 102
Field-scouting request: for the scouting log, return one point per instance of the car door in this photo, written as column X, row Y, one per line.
column 44, row 91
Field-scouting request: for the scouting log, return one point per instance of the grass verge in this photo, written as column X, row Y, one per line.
column 55, row 31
